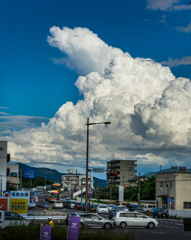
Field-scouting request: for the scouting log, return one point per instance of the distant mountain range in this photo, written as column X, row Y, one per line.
column 56, row 176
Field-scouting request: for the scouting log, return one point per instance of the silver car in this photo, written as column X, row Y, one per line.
column 94, row 221
column 102, row 209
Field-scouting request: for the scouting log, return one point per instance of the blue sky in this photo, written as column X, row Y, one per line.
column 34, row 86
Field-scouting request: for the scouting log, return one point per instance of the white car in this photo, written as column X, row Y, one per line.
column 102, row 209
column 58, row 204
column 133, row 219
column 110, row 206
column 148, row 207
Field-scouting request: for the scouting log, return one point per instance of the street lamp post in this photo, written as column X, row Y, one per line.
column 87, row 152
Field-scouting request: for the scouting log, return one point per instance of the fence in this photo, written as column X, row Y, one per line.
column 179, row 213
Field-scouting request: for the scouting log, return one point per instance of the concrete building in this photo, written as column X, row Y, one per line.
column 13, row 175
column 3, row 165
column 176, row 186
column 124, row 170
column 75, row 181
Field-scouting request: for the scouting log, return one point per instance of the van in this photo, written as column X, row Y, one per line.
column 148, row 207
column 136, row 208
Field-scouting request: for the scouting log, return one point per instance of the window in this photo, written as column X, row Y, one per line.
column 130, row 163
column 131, row 168
column 161, row 184
column 187, row 205
column 129, row 215
column 171, row 184
column 95, row 217
column 130, row 174
column 140, row 216
column 122, row 215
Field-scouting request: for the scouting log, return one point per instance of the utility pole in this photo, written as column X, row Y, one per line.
column 139, row 188
column 167, row 193
column 110, row 193
column 81, row 188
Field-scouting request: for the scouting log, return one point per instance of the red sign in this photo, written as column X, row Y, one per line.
column 3, row 204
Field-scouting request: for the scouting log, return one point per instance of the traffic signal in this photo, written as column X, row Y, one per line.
column 115, row 175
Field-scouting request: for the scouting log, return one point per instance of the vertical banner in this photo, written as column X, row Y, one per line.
column 121, row 194
column 74, row 226
column 45, row 232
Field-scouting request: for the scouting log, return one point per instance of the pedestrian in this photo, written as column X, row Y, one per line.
column 155, row 211
column 50, row 222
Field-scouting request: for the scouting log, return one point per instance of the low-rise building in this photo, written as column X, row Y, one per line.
column 173, row 189
column 135, row 181
column 76, row 180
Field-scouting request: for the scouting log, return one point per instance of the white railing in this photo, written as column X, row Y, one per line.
column 79, row 192
column 179, row 213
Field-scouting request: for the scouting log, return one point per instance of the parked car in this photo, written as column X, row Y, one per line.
column 94, row 221
column 58, row 204
column 148, row 207
column 64, row 203
column 133, row 219
column 93, row 207
column 102, row 209
column 161, row 212
column 67, row 199
column 83, row 206
column 110, row 206
column 120, row 208
column 13, row 216
column 136, row 207
column 77, row 205
column 71, row 204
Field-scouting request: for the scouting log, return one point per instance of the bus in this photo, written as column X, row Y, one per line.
column 56, row 187
column 52, row 196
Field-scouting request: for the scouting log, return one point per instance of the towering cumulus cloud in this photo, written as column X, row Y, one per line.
column 148, row 107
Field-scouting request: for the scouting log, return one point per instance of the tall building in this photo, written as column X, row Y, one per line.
column 120, row 171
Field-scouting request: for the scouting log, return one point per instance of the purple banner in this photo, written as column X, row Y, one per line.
column 45, row 232
column 74, row 226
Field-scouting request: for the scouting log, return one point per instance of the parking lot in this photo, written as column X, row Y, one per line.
column 168, row 229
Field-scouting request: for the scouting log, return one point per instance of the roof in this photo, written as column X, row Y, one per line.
column 136, row 178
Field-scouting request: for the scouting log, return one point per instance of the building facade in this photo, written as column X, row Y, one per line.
column 13, row 175
column 3, row 165
column 76, row 181
column 173, row 190
column 123, row 170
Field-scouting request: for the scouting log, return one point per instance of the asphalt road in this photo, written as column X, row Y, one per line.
column 168, row 229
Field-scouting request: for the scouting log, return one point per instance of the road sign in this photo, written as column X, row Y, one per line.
column 90, row 195
column 29, row 172
column 90, row 190
column 99, row 170
column 170, row 199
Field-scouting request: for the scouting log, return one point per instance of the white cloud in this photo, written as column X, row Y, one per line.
column 184, row 29
column 167, row 5
column 162, row 5
column 148, row 107
column 177, row 62
column 85, row 51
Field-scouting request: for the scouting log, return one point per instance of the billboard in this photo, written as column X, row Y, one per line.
column 29, row 172
column 3, row 204
column 18, row 205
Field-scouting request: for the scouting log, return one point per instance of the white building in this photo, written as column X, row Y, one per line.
column 3, row 164
column 75, row 181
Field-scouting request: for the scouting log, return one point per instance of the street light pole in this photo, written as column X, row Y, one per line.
column 87, row 164
column 87, row 153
